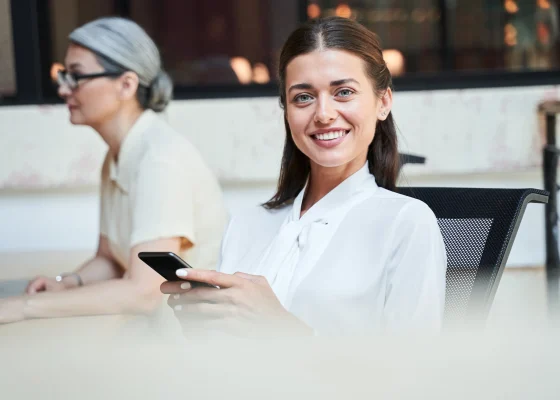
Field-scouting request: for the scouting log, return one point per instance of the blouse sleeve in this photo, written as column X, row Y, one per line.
column 415, row 295
column 163, row 205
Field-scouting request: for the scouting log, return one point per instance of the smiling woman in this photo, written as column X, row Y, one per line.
column 335, row 251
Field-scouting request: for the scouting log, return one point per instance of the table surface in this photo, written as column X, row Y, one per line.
column 17, row 268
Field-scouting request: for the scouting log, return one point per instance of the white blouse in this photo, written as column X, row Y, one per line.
column 362, row 259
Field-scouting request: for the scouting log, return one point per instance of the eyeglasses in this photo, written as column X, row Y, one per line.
column 71, row 79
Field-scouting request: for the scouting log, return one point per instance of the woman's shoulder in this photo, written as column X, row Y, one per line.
column 251, row 228
column 399, row 207
column 257, row 219
column 165, row 144
column 259, row 213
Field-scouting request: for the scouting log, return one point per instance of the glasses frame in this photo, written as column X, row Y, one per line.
column 61, row 77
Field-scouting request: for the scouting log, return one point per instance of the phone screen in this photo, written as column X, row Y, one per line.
column 164, row 263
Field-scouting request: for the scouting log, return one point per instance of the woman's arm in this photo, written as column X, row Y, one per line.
column 101, row 267
column 415, row 296
column 136, row 292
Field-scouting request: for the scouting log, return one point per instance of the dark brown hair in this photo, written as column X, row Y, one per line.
column 343, row 34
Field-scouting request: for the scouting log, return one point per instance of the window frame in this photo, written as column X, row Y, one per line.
column 32, row 58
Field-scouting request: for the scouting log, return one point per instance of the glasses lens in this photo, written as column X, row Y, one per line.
column 60, row 78
column 64, row 78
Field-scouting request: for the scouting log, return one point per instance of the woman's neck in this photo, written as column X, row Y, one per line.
column 114, row 130
column 324, row 179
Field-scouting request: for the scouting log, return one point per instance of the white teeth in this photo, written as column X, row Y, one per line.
column 330, row 135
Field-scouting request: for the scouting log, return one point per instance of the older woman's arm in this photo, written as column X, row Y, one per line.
column 136, row 292
column 101, row 267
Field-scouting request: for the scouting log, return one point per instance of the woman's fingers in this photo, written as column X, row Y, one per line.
column 201, row 295
column 258, row 279
column 213, row 278
column 36, row 285
column 175, row 287
column 202, row 311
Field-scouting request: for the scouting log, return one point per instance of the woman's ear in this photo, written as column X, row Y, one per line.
column 129, row 85
column 385, row 105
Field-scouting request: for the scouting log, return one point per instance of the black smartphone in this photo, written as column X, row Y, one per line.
column 166, row 264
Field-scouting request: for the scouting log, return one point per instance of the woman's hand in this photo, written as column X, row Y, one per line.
column 44, row 284
column 11, row 309
column 245, row 304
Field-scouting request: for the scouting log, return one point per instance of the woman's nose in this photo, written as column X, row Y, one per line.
column 64, row 91
column 325, row 112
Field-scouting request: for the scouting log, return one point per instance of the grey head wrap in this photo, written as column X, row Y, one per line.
column 128, row 45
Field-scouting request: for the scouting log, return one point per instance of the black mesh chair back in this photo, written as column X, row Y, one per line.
column 478, row 227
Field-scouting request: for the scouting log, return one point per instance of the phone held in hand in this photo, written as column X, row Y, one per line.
column 166, row 264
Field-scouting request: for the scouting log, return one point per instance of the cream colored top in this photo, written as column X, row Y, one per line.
column 161, row 188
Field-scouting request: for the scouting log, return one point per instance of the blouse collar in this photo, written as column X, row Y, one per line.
column 354, row 184
column 123, row 171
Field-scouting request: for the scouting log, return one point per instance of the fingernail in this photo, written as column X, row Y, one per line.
column 177, row 296
column 181, row 272
column 178, row 307
column 185, row 285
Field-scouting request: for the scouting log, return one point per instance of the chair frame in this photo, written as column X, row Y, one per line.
column 483, row 293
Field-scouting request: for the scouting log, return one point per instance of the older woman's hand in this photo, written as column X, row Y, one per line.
column 243, row 305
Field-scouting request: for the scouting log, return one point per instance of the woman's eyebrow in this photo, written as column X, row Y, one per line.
column 305, row 86
column 344, row 81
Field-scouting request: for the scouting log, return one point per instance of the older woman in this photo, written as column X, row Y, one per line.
column 157, row 194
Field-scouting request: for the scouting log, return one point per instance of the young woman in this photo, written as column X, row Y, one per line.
column 335, row 251
column 157, row 194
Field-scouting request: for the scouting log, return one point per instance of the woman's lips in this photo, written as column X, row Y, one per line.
column 330, row 139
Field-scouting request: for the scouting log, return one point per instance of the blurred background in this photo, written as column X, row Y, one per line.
column 468, row 76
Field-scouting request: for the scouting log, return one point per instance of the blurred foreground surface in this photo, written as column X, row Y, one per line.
column 517, row 356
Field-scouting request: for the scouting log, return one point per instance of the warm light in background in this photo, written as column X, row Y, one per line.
column 242, row 68
column 54, row 70
column 395, row 61
column 313, row 11
column 260, row 74
column 510, row 35
column 543, row 4
column 511, row 6
column 343, row 10
column 543, row 33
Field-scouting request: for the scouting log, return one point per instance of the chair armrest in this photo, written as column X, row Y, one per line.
column 411, row 159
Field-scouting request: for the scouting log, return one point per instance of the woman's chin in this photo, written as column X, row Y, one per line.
column 76, row 119
column 330, row 162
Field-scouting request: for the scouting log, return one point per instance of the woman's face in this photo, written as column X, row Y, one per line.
column 332, row 108
column 94, row 100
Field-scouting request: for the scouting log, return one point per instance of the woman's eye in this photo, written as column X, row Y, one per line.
column 302, row 98
column 345, row 93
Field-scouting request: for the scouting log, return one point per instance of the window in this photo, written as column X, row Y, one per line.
column 428, row 36
column 230, row 48
column 67, row 15
column 7, row 65
column 218, row 42
column 205, row 45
